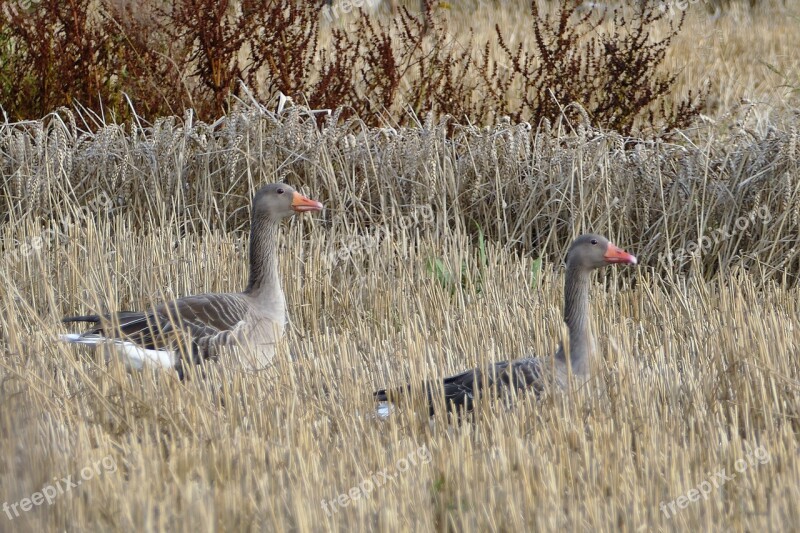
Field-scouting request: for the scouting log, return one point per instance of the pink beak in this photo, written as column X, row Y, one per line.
column 618, row 255
column 301, row 204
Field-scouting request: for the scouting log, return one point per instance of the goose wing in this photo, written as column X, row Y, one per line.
column 503, row 379
column 187, row 322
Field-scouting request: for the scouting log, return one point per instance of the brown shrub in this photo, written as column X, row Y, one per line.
column 192, row 53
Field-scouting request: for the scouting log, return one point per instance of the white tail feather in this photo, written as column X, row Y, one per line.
column 384, row 410
column 134, row 357
column 77, row 338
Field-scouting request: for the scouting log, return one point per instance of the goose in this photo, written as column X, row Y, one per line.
column 531, row 374
column 196, row 327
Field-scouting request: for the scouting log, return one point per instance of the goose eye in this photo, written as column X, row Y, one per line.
column 594, row 241
column 280, row 191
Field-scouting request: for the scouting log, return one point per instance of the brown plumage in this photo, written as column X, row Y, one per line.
column 532, row 374
column 194, row 328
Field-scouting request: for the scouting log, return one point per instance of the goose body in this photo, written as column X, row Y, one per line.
column 532, row 374
column 195, row 328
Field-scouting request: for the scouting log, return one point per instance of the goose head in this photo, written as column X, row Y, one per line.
column 592, row 251
column 277, row 201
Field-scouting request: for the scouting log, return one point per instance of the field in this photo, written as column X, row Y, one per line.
column 435, row 253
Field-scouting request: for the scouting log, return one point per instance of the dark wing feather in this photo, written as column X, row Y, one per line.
column 174, row 324
column 503, row 379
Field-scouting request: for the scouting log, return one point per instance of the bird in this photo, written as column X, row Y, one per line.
column 531, row 374
column 195, row 328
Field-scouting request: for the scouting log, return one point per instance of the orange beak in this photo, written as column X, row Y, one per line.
column 617, row 255
column 301, row 204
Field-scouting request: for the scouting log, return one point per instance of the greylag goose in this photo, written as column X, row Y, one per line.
column 587, row 253
column 196, row 327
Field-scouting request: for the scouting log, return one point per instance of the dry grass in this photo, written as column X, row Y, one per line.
column 741, row 53
column 699, row 360
column 745, row 55
column 731, row 189
column 693, row 376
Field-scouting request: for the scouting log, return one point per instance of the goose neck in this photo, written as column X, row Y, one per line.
column 577, row 317
column 264, row 283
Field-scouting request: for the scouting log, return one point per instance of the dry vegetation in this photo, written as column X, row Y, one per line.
column 695, row 373
column 699, row 363
column 631, row 69
column 694, row 376
column 194, row 53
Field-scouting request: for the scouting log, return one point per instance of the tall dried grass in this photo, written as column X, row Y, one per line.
column 730, row 189
column 693, row 377
column 695, row 374
column 699, row 364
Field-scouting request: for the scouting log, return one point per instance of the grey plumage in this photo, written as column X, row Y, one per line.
column 195, row 328
column 532, row 374
column 504, row 379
